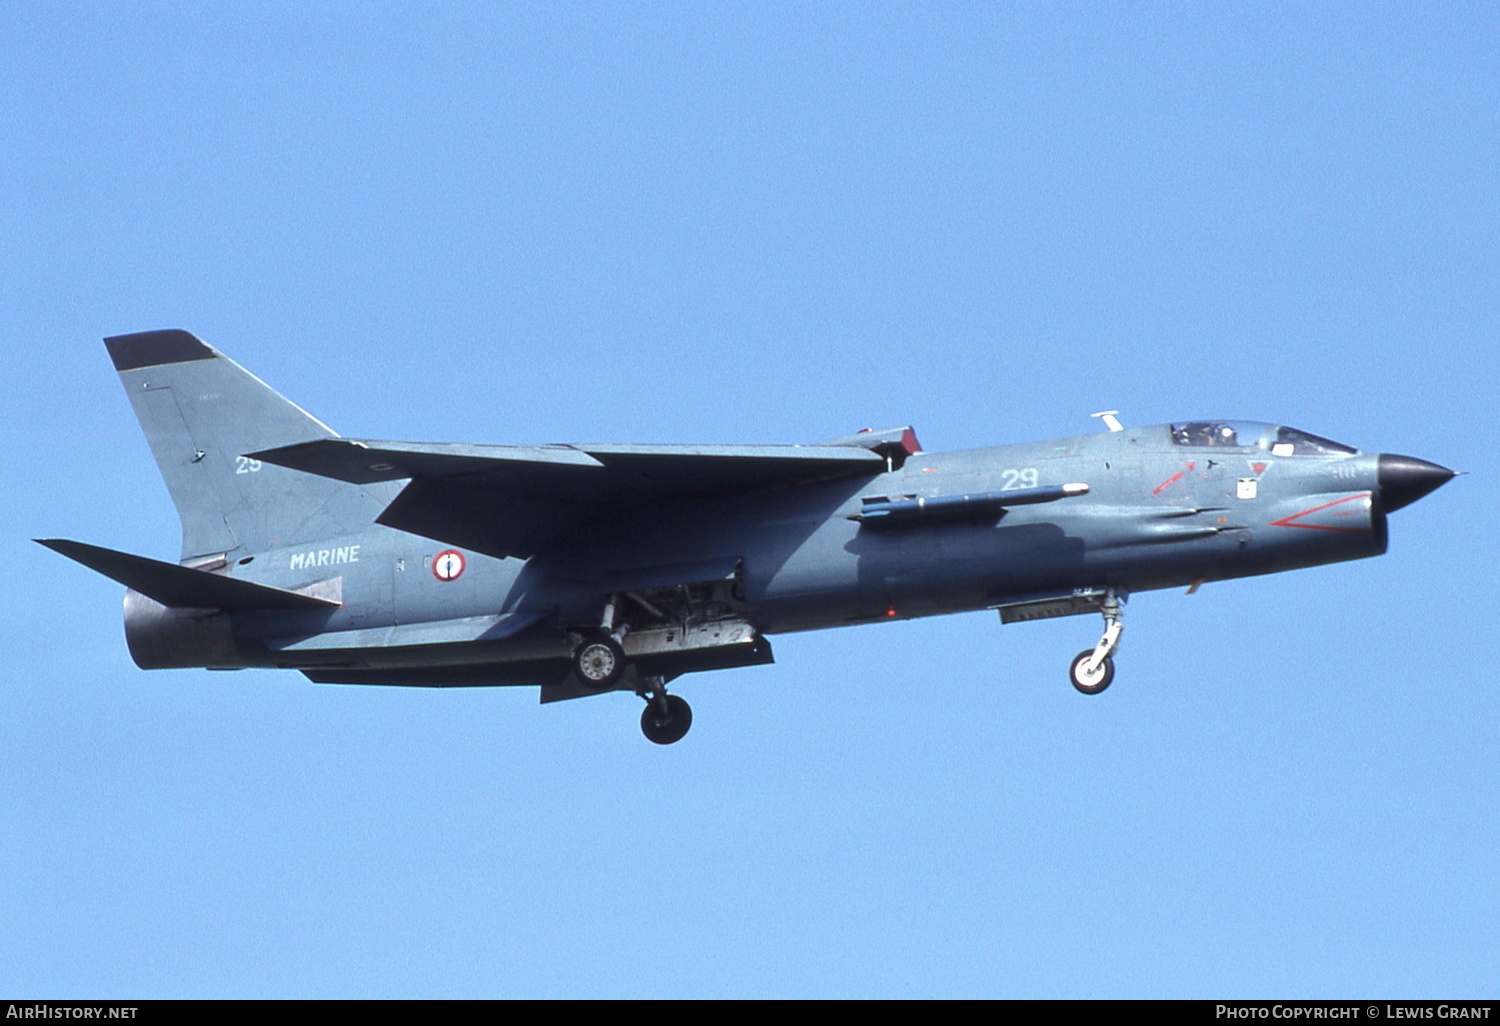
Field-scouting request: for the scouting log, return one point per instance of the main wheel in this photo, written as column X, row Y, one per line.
column 668, row 729
column 599, row 662
column 1091, row 683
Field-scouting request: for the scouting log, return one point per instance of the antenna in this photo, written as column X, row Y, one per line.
column 1110, row 420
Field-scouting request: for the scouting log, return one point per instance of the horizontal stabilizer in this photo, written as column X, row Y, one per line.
column 182, row 587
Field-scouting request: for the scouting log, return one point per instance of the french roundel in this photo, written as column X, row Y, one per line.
column 448, row 565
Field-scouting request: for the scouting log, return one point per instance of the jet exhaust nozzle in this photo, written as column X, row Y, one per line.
column 1403, row 480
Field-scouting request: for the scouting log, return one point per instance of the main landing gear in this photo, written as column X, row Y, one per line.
column 1094, row 669
column 666, row 718
column 599, row 662
column 599, row 659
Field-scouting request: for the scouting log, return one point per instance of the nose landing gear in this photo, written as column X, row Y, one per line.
column 1093, row 670
column 1091, row 682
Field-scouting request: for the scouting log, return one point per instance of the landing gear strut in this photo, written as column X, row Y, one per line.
column 666, row 718
column 599, row 659
column 1094, row 669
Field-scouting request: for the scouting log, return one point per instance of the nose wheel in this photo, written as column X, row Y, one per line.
column 1095, row 681
column 666, row 718
column 1093, row 669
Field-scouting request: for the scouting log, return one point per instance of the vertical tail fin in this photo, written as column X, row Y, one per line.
column 201, row 412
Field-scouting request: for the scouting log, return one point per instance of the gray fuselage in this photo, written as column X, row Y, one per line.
column 1161, row 511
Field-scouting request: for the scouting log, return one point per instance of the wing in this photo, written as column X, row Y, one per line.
column 516, row 500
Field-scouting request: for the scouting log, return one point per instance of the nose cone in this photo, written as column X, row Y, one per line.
column 1405, row 479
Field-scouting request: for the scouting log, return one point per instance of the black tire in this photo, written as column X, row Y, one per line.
column 599, row 662
column 671, row 728
column 1100, row 681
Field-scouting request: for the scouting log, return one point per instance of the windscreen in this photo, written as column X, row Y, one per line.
column 1291, row 442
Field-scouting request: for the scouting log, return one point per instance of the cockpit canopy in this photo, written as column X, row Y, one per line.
column 1241, row 434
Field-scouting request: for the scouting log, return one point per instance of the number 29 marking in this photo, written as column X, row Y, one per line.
column 1025, row 477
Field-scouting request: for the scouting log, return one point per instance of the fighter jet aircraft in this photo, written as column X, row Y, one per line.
column 582, row 569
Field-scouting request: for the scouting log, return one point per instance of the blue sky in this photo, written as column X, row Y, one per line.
column 765, row 223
